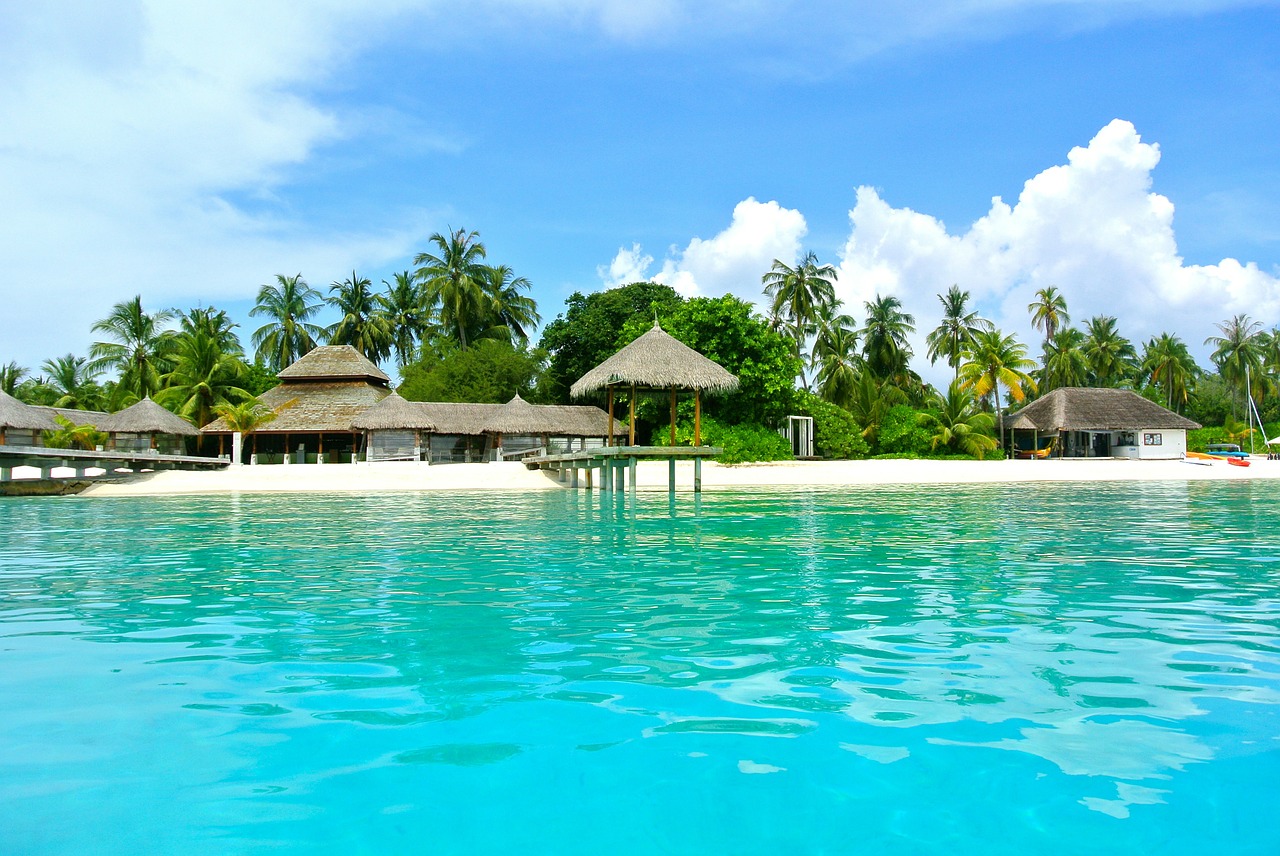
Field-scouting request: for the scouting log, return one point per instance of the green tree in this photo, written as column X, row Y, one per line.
column 72, row 436
column 74, row 382
column 1238, row 354
column 245, row 416
column 798, row 297
column 958, row 425
column 290, row 304
column 214, row 324
column 589, row 331
column 1049, row 313
column 884, row 338
column 835, row 355
column 490, row 371
column 996, row 359
column 11, row 374
column 957, row 329
column 1168, row 365
column 836, row 434
column 1111, row 357
column 204, row 376
column 512, row 312
column 870, row 404
column 453, row 278
column 361, row 324
column 141, row 349
column 405, row 310
column 1064, row 361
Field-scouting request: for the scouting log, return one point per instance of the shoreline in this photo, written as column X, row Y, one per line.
column 652, row 475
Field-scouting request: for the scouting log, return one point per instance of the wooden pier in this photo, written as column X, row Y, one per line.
column 46, row 460
column 617, row 465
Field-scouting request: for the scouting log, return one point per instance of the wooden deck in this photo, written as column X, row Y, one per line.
column 46, row 460
column 617, row 464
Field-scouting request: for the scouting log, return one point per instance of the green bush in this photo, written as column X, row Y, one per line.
column 836, row 434
column 901, row 434
column 741, row 443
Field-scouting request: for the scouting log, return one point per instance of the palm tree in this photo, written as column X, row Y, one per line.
column 996, row 359
column 72, row 436
column 204, row 376
column 835, row 355
column 798, row 295
column 1049, row 312
column 1111, row 357
column 246, row 417
column 214, row 323
column 74, row 382
column 1064, row 361
column 11, row 375
column 884, row 338
column 290, row 304
column 509, row 308
column 453, row 279
column 362, row 325
column 870, row 400
column 1238, row 353
column 405, row 311
column 957, row 424
column 1167, row 364
column 141, row 350
column 950, row 338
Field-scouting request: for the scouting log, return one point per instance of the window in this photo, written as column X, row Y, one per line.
column 1152, row 439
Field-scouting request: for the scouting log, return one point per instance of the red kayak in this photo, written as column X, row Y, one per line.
column 1237, row 462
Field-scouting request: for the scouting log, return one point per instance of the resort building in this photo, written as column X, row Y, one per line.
column 335, row 406
column 146, row 427
column 1101, row 423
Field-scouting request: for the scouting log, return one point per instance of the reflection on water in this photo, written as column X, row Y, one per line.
column 937, row 669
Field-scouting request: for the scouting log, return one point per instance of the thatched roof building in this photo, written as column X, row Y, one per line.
column 515, row 417
column 657, row 360
column 394, row 413
column 23, row 417
column 146, row 417
column 332, row 363
column 1087, row 409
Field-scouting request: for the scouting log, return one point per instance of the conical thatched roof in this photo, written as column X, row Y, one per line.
column 657, row 360
column 146, row 417
column 518, row 416
column 394, row 413
column 24, row 417
column 1080, row 409
column 333, row 362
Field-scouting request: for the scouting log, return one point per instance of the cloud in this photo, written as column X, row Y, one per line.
column 1092, row 227
column 732, row 262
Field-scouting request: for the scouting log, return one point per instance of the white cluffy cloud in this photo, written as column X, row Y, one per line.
column 1092, row 227
column 732, row 262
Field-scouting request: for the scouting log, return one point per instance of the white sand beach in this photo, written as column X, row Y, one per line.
column 653, row 475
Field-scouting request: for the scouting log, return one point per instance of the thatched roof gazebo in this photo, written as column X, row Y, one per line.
column 657, row 361
column 22, row 417
column 145, row 419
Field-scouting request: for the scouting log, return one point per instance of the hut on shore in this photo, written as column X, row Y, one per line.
column 21, row 424
column 315, row 406
column 657, row 362
column 1100, row 423
column 146, row 426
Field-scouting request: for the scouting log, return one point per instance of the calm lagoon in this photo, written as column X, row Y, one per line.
column 1089, row 668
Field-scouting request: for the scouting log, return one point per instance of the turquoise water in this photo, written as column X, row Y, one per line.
column 958, row 670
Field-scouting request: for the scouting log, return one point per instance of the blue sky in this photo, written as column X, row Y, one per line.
column 190, row 152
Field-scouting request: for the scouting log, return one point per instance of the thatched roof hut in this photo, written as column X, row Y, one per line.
column 146, row 417
column 314, row 406
column 518, row 416
column 333, row 363
column 657, row 360
column 22, row 416
column 395, row 413
column 1087, row 409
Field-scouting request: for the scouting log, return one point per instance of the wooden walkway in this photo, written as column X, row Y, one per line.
column 617, row 464
column 46, row 460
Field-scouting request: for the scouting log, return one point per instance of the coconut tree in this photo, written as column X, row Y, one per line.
column 1111, row 357
column 957, row 329
column 1049, row 313
column 994, row 359
column 140, row 350
column 869, row 402
column 1167, row 364
column 245, row 417
column 453, row 278
column 509, row 307
column 1064, row 361
column 884, row 338
column 11, row 374
column 835, row 355
column 74, row 381
column 797, row 296
column 204, row 376
column 72, row 436
column 957, row 424
column 289, row 334
column 213, row 323
column 361, row 324
column 1238, row 353
column 406, row 312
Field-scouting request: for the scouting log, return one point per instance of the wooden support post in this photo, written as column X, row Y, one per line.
column 671, row 475
column 590, row 470
column 697, row 475
column 697, row 418
column 573, row 477
column 673, row 417
column 631, row 465
column 608, row 440
column 631, row 423
column 619, row 476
